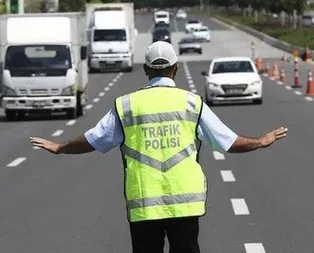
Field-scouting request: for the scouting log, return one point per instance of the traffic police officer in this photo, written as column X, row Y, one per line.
column 157, row 128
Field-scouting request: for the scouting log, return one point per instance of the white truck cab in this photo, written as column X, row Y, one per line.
column 162, row 17
column 44, row 66
column 111, row 36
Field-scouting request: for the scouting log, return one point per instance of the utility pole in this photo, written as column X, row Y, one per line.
column 8, row 6
column 201, row 5
column 21, row 7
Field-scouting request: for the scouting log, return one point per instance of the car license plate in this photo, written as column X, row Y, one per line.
column 39, row 103
column 234, row 91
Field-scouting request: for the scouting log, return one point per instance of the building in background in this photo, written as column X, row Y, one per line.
column 51, row 5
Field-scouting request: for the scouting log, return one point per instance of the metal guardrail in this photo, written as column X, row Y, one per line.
column 264, row 37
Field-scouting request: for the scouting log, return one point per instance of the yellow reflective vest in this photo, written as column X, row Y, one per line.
column 162, row 176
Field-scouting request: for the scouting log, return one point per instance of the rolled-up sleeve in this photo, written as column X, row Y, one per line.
column 107, row 134
column 214, row 132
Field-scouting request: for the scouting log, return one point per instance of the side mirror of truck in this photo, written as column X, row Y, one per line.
column 83, row 53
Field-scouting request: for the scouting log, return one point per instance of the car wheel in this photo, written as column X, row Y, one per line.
column 180, row 52
column 258, row 101
column 200, row 51
column 10, row 115
column 72, row 113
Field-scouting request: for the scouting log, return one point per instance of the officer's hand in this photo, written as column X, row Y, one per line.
column 50, row 146
column 273, row 136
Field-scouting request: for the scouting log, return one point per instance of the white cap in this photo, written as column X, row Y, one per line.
column 160, row 50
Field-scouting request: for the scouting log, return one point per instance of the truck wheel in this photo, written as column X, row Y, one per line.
column 72, row 113
column 79, row 107
column 10, row 115
column 129, row 69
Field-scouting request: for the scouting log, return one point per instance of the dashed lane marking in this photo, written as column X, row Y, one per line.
column 58, row 133
column 280, row 83
column 299, row 93
column 71, row 122
column 194, row 91
column 106, row 89
column 114, row 80
column 227, row 176
column 218, row 156
column 308, row 98
column 96, row 100
column 110, row 84
column 16, row 162
column 88, row 107
column 101, row 94
column 240, row 207
column 288, row 87
column 254, row 248
column 192, row 86
column 190, row 81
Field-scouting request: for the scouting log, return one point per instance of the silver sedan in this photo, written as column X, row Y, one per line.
column 190, row 44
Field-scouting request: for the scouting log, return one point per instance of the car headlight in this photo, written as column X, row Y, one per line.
column 7, row 91
column 259, row 82
column 212, row 85
column 69, row 91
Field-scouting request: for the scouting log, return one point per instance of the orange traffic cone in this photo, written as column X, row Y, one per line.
column 308, row 55
column 275, row 74
column 285, row 59
column 282, row 75
column 267, row 69
column 259, row 64
column 310, row 84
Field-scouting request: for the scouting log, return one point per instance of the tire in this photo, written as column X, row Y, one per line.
column 258, row 101
column 10, row 115
column 72, row 113
column 79, row 107
column 129, row 69
column 207, row 101
column 200, row 52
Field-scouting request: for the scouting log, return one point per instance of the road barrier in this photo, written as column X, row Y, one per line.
column 275, row 74
column 297, row 83
column 310, row 84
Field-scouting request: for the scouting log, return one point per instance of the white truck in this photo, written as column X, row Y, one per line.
column 111, row 34
column 44, row 63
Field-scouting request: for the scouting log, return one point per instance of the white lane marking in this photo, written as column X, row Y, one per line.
column 110, row 84
column 121, row 73
column 288, row 87
column 88, row 107
column 34, row 147
column 227, row 176
column 71, row 122
column 299, row 93
column 106, row 89
column 240, row 207
column 16, row 162
column 190, row 81
column 101, row 94
column 189, row 77
column 96, row 100
column 192, row 86
column 280, row 83
column 58, row 133
column 114, row 80
column 308, row 98
column 218, row 156
column 264, row 74
column 254, row 248
column 194, row 90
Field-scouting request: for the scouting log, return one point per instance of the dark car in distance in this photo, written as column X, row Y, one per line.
column 161, row 34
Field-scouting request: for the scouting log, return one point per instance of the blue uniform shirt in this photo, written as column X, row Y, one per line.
column 108, row 133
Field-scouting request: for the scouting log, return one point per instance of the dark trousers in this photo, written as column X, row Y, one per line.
column 149, row 236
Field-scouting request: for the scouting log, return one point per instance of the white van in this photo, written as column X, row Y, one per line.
column 162, row 17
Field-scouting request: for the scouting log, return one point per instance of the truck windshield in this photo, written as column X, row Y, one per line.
column 110, row 35
column 43, row 58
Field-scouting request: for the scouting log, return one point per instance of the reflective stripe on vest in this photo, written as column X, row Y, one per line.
column 162, row 166
column 167, row 200
column 130, row 120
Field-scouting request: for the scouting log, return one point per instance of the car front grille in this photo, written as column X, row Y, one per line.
column 239, row 87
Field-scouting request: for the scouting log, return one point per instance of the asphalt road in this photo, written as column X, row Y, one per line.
column 258, row 202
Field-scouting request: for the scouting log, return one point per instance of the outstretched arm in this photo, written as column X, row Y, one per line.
column 78, row 145
column 246, row 144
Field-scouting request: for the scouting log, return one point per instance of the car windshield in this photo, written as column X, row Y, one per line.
column 38, row 57
column 193, row 22
column 161, row 16
column 232, row 67
column 110, row 35
column 188, row 40
column 159, row 32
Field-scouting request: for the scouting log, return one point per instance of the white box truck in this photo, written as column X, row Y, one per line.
column 44, row 63
column 111, row 35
